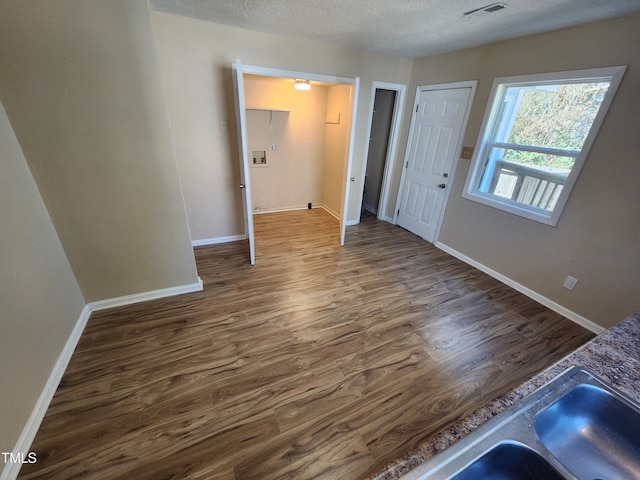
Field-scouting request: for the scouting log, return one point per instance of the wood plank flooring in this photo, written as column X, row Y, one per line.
column 320, row 362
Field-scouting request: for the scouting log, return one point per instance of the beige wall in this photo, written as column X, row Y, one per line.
column 39, row 297
column 336, row 148
column 294, row 171
column 597, row 239
column 81, row 86
column 195, row 58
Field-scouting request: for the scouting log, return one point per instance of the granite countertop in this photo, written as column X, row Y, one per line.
column 614, row 356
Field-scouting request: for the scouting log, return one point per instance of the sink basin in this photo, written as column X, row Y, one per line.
column 509, row 461
column 593, row 433
column 575, row 427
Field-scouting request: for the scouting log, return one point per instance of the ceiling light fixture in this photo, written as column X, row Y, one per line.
column 302, row 84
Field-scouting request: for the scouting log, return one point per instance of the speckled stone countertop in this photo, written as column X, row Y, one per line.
column 614, row 356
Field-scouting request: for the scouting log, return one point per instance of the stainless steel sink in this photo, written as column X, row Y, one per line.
column 593, row 433
column 509, row 460
column 575, row 427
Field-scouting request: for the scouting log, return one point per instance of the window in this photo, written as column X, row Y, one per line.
column 534, row 139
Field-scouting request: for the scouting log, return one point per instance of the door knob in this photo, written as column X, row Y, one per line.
column 241, row 185
column 442, row 185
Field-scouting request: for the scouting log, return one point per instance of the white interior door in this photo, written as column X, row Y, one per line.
column 355, row 92
column 243, row 156
column 436, row 135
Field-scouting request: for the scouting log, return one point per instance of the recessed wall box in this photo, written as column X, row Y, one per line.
column 259, row 157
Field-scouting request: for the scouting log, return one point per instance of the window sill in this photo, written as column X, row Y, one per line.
column 515, row 208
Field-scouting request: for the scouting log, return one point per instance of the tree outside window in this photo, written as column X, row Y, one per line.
column 535, row 137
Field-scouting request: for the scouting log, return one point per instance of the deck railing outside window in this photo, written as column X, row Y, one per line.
column 535, row 137
column 527, row 185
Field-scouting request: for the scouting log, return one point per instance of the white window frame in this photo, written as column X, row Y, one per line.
column 471, row 192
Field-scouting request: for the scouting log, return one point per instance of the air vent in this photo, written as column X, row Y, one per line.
column 494, row 7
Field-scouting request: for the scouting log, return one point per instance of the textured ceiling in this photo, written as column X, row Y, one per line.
column 408, row 28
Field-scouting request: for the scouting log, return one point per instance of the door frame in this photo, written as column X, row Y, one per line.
column 394, row 132
column 245, row 177
column 423, row 88
column 355, row 92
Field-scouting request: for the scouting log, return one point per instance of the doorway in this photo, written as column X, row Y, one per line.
column 245, row 156
column 384, row 124
column 435, row 140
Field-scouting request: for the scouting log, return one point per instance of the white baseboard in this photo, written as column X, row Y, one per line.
column 556, row 307
column 11, row 470
column 286, row 209
column 351, row 223
column 331, row 212
column 370, row 209
column 216, row 240
column 143, row 297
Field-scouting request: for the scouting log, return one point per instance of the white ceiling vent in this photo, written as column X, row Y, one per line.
column 494, row 7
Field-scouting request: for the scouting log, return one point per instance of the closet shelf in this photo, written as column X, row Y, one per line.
column 272, row 110
column 268, row 109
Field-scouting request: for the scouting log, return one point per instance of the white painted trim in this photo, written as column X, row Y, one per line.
column 355, row 92
column 235, row 238
column 472, row 84
column 391, row 160
column 556, row 307
column 354, row 82
column 492, row 109
column 145, row 296
column 243, row 150
column 216, row 240
column 351, row 223
column 285, row 209
column 394, row 132
column 277, row 72
column 331, row 212
column 11, row 470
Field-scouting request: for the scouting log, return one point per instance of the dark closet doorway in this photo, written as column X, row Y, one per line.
column 386, row 109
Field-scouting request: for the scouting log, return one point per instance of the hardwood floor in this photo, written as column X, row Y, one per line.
column 320, row 362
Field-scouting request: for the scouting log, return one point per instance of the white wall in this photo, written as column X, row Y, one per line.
column 195, row 57
column 39, row 297
column 293, row 175
column 81, row 86
column 597, row 239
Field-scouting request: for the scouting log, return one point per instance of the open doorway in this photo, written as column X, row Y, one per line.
column 275, row 115
column 384, row 124
column 298, row 144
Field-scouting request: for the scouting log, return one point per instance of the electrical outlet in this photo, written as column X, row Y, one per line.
column 467, row 153
column 570, row 282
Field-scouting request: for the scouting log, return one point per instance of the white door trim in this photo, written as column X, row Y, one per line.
column 390, row 160
column 423, row 88
column 277, row 72
column 355, row 82
column 355, row 92
column 243, row 149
